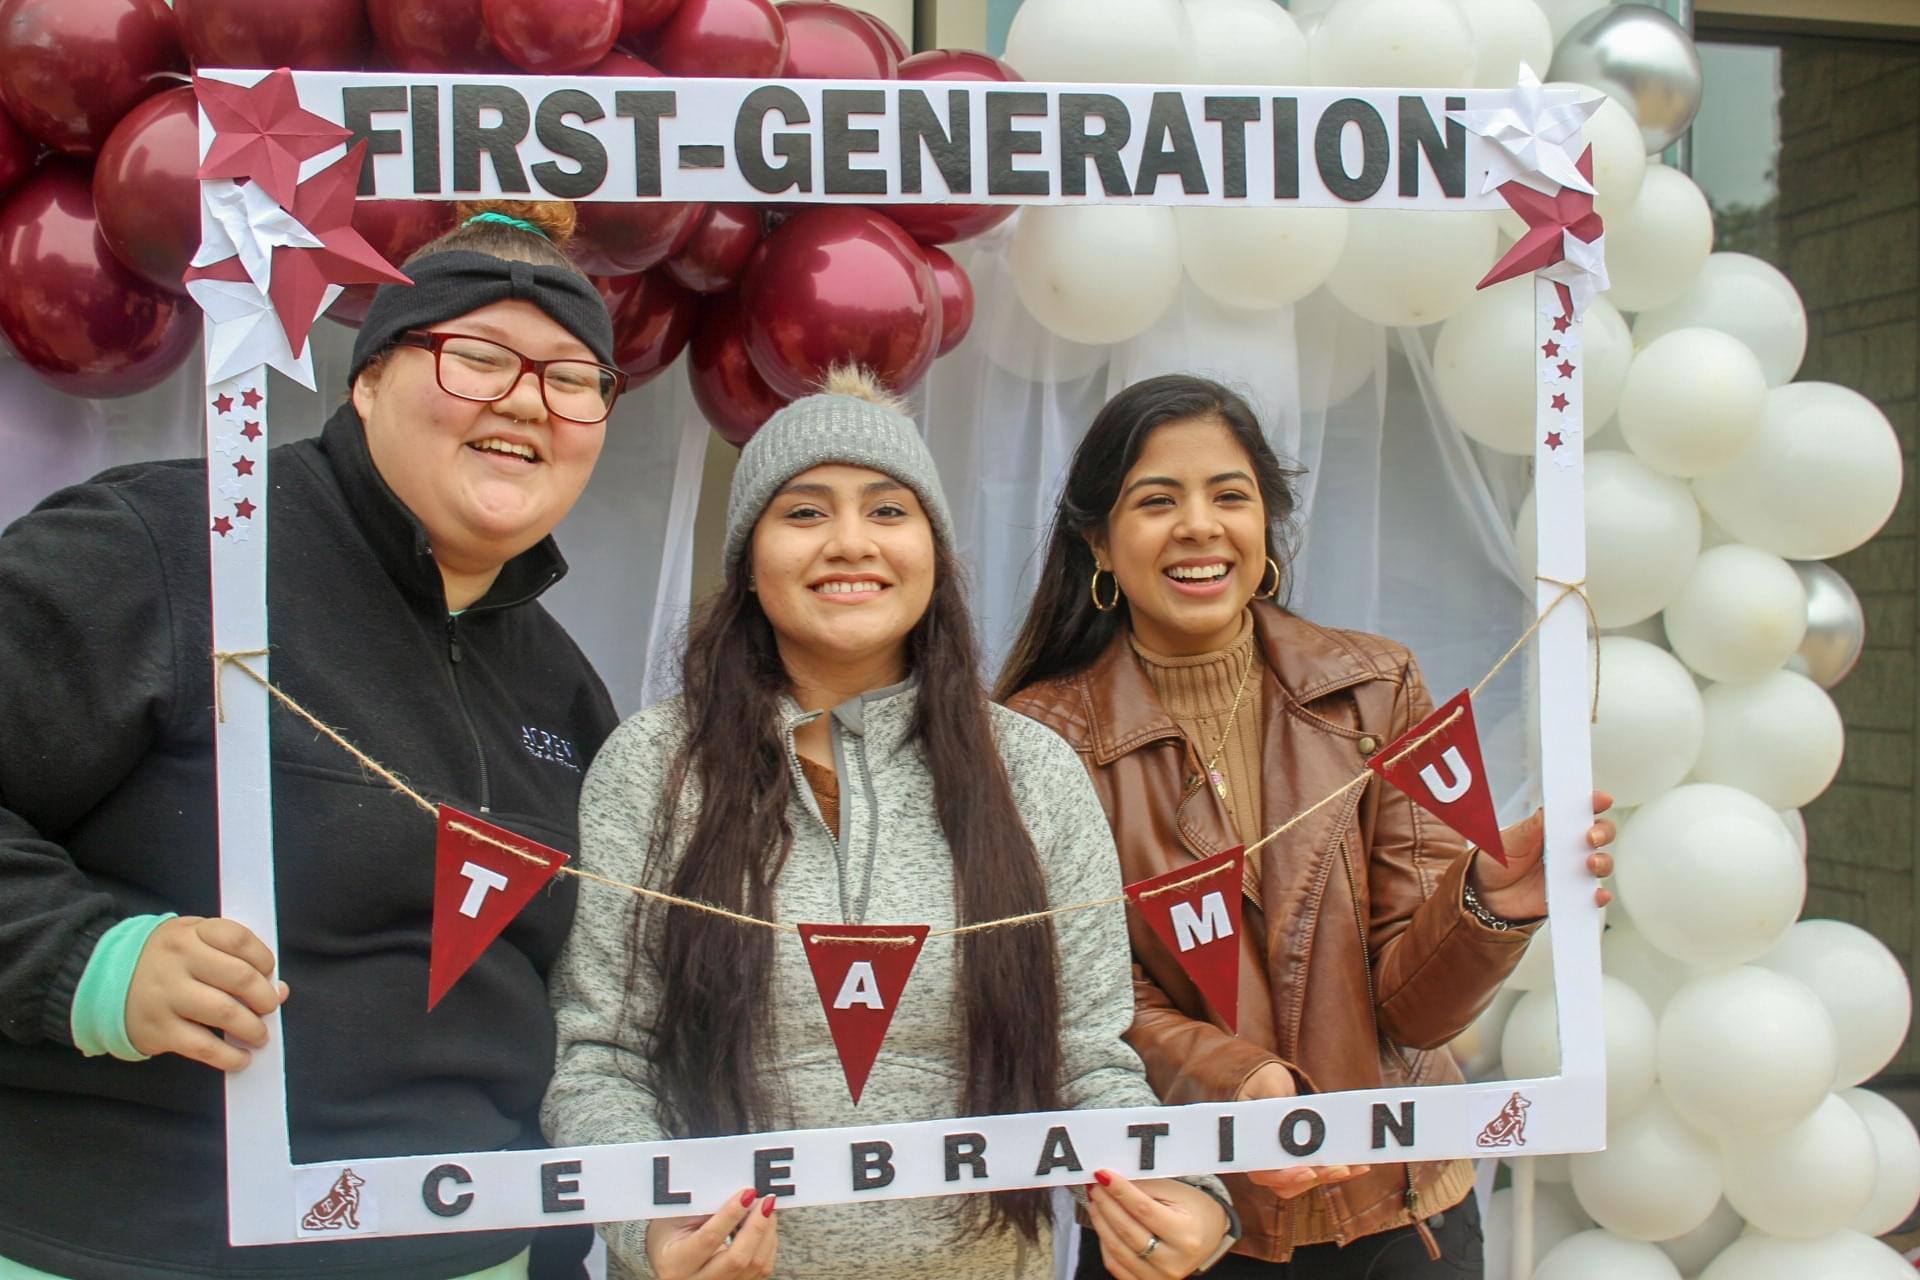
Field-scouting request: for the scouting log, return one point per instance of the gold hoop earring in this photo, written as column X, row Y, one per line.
column 1274, row 590
column 1093, row 589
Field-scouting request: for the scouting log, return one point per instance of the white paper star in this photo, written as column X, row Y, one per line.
column 1533, row 136
column 250, row 223
column 1583, row 270
column 245, row 332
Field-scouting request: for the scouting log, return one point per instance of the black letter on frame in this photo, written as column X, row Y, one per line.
column 646, row 107
column 1004, row 142
column 424, row 115
column 951, row 145
column 840, row 142
column 872, row 1165
column 1058, row 1153
column 1383, row 1121
column 499, row 141
column 1169, row 148
column 1226, row 1137
column 558, row 1187
column 1419, row 136
column 663, row 1192
column 1316, row 1132
column 550, row 125
column 769, row 1164
column 1146, row 1135
column 430, row 1189
column 1077, row 146
column 1233, row 115
column 794, row 148
column 357, row 106
column 1374, row 148
column 969, row 1149
column 1286, row 148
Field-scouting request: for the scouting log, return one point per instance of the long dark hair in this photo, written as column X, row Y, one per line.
column 1063, row 632
column 716, row 976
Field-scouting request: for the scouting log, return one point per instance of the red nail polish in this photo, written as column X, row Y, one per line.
column 1102, row 1177
column 766, row 1207
column 747, row 1197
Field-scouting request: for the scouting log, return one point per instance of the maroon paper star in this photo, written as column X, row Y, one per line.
column 250, row 398
column 263, row 133
column 1566, row 368
column 222, row 526
column 1560, row 403
column 251, row 431
column 1547, row 217
column 243, row 466
column 244, row 509
column 324, row 205
column 1553, row 439
column 1549, row 348
column 1561, row 323
column 223, row 405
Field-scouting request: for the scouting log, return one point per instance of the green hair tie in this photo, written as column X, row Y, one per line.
column 507, row 220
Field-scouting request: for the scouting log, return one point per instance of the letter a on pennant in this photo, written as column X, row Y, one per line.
column 860, row 971
column 1444, row 774
column 1195, row 911
column 478, row 888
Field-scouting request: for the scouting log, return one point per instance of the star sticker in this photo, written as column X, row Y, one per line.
column 1553, row 440
column 323, row 205
column 251, row 431
column 1561, row 323
column 243, row 533
column 1560, row 403
column 262, row 132
column 1581, row 271
column 244, row 509
column 1530, row 133
column 244, row 332
column 243, row 466
column 232, row 490
column 1549, row 348
column 1552, row 221
column 251, row 397
column 222, row 526
column 223, row 404
column 1566, row 368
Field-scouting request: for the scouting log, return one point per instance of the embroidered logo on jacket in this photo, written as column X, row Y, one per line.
column 339, row 1208
column 550, row 747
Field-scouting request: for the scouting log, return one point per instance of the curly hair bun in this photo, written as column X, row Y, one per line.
column 555, row 218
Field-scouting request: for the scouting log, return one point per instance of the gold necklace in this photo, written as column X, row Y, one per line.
column 1213, row 771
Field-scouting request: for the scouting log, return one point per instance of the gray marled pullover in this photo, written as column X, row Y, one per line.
column 888, row 863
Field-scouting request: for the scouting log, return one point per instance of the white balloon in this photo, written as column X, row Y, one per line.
column 1338, row 351
column 1819, row 478
column 1862, row 984
column 1643, row 533
column 1619, row 153
column 1627, row 955
column 1778, row 737
column 1530, row 1045
column 1658, row 1177
column 1807, row 1181
column 1563, row 14
column 1246, row 42
column 1507, row 33
column 1740, row 616
column 1256, row 258
column 1745, row 1051
column 1693, row 399
column 1477, row 1049
column 1649, row 723
column 1602, row 1255
column 1709, row 874
column 1419, row 43
column 1694, row 1250
column 1553, row 1169
column 1796, row 827
column 1102, row 41
column 1743, row 296
column 1844, row 1255
column 1411, row 267
column 1484, row 369
column 1064, row 260
column 1013, row 340
column 1555, row 1217
column 1657, row 247
column 1896, row 1184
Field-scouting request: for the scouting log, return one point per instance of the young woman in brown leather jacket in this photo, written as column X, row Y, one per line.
column 1208, row 715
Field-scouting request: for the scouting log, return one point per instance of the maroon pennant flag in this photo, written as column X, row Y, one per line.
column 1195, row 911
column 478, row 888
column 860, row 970
column 1444, row 775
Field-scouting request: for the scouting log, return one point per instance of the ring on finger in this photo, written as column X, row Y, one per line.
column 1153, row 1242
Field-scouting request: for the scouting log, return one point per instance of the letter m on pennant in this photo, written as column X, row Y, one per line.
column 1195, row 911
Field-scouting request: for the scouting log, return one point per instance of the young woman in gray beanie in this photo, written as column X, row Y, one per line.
column 833, row 756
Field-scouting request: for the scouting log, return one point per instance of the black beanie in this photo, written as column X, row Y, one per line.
column 457, row 281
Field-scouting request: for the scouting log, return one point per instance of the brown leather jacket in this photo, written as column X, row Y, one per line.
column 1343, row 1005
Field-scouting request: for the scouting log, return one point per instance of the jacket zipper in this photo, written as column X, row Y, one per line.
column 459, row 696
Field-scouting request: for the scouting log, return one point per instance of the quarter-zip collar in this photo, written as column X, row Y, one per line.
column 399, row 540
column 882, row 717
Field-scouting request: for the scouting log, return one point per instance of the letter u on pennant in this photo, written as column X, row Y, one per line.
column 1444, row 774
column 860, row 971
column 1195, row 911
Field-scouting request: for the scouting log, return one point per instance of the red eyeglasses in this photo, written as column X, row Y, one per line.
column 486, row 371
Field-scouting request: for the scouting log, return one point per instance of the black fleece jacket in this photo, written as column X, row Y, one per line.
column 111, row 1170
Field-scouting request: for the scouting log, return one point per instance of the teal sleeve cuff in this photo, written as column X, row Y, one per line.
column 100, row 1001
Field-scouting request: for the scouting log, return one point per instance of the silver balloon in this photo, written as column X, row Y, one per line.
column 1644, row 60
column 1836, row 625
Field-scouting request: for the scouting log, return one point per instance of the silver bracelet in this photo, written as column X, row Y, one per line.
column 1478, row 910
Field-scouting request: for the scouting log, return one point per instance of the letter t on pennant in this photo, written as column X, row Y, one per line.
column 478, row 888
column 860, row 971
column 1444, row 774
column 1195, row 911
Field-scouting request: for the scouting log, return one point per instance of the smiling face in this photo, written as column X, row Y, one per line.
column 1187, row 539
column 843, row 563
column 487, row 480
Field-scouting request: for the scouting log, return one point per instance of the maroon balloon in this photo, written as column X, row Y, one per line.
column 434, row 35
column 718, row 249
column 621, row 63
column 550, row 37
column 832, row 42
column 732, row 395
column 901, row 51
column 947, row 223
column 618, row 239
column 721, row 38
column 18, row 152
column 146, row 191
column 638, row 17
column 835, row 284
column 350, row 308
column 397, row 227
column 69, row 69
column 310, row 34
column 956, row 297
column 85, row 323
column 652, row 319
